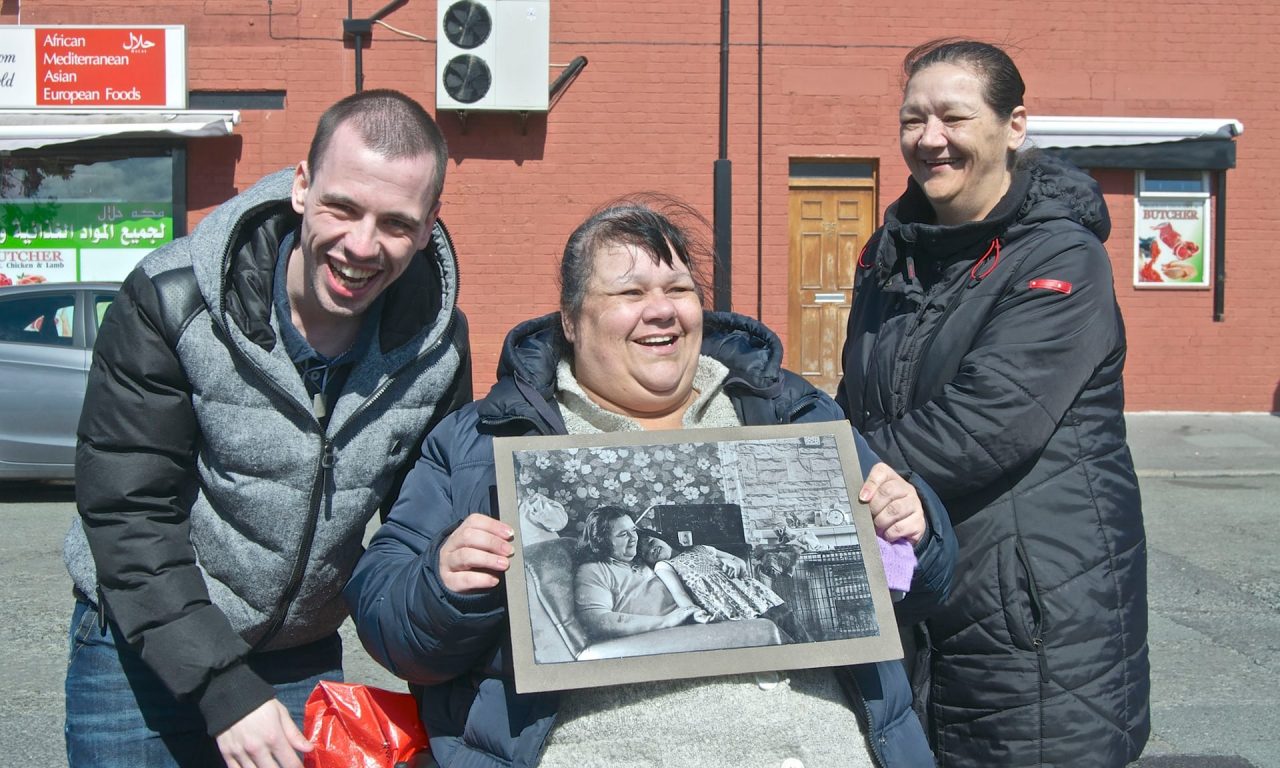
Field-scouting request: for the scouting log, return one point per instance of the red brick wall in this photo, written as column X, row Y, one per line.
column 643, row 115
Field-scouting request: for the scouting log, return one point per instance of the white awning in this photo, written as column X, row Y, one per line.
column 30, row 129
column 1051, row 132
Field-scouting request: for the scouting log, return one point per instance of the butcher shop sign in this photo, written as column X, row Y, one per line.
column 1171, row 242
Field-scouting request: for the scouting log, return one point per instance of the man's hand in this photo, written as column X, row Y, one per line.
column 264, row 738
column 896, row 509
column 475, row 554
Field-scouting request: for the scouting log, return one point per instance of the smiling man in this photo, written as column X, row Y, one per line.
column 257, row 390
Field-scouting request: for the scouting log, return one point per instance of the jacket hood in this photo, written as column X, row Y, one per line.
column 234, row 251
column 530, row 353
column 237, row 242
column 751, row 352
column 1059, row 190
column 1044, row 188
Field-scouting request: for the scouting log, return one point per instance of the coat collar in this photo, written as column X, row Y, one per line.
column 1044, row 188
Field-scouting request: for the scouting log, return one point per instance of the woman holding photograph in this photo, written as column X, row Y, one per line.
column 631, row 349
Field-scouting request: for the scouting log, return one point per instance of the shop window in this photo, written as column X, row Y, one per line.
column 1173, row 183
column 88, row 213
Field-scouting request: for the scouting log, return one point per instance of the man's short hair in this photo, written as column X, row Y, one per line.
column 390, row 123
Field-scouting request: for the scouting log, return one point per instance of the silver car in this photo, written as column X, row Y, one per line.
column 47, row 332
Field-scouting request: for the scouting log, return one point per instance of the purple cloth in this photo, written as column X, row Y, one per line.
column 899, row 560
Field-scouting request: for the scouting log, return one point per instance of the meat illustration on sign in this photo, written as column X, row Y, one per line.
column 1149, row 249
column 23, row 279
column 1181, row 249
column 1167, row 256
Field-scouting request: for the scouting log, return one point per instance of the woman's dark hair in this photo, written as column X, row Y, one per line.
column 596, row 544
column 390, row 123
column 662, row 226
column 1004, row 87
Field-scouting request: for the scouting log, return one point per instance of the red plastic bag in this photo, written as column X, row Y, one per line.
column 357, row 726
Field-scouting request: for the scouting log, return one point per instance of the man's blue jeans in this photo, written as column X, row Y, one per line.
column 120, row 714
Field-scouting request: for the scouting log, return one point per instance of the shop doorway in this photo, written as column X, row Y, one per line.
column 832, row 215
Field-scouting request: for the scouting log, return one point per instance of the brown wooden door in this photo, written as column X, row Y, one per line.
column 828, row 225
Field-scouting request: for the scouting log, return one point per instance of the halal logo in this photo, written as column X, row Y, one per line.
column 136, row 44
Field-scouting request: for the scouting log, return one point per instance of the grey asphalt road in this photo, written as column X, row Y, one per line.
column 1209, row 483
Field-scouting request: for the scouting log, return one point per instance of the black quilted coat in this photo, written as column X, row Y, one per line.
column 987, row 357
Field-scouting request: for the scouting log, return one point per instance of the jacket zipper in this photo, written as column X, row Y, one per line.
column 911, row 380
column 327, row 460
column 278, row 615
column 1037, row 613
column 905, row 378
column 872, row 738
column 327, row 456
column 914, row 381
column 800, row 405
column 304, row 547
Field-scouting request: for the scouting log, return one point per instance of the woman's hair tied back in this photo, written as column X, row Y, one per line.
column 1004, row 89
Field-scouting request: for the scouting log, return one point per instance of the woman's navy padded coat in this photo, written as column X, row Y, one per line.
column 453, row 648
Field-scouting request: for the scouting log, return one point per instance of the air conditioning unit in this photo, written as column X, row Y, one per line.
column 493, row 55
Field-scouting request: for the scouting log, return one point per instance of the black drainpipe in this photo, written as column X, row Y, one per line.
column 1220, row 250
column 760, row 160
column 722, row 189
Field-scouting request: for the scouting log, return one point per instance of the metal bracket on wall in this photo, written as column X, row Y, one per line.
column 522, row 116
column 359, row 32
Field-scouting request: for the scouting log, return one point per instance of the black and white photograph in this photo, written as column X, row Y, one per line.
column 653, row 555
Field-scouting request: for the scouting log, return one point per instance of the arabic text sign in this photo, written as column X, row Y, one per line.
column 68, row 241
column 93, row 67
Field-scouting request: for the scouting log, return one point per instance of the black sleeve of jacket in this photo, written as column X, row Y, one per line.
column 460, row 393
column 135, row 482
column 936, row 552
column 408, row 621
column 935, row 559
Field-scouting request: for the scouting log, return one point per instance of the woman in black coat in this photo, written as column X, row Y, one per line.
column 984, row 352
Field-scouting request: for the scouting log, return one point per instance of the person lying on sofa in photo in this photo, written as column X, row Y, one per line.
column 719, row 584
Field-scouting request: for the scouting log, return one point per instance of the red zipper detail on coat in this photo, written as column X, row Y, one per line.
column 994, row 248
column 862, row 253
